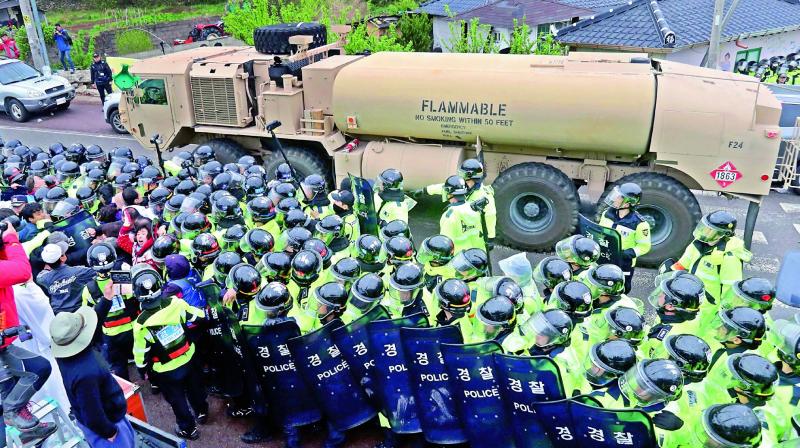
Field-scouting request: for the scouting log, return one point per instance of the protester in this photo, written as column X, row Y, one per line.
column 63, row 283
column 10, row 47
column 99, row 405
column 64, row 44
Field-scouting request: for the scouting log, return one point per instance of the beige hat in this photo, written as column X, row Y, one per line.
column 71, row 333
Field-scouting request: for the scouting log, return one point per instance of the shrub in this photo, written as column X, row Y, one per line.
column 133, row 41
column 417, row 30
column 470, row 37
column 359, row 41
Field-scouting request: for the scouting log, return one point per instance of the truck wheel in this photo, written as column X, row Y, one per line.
column 670, row 208
column 304, row 161
column 274, row 39
column 226, row 150
column 537, row 205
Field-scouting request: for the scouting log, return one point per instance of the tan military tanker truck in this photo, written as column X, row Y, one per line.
column 544, row 125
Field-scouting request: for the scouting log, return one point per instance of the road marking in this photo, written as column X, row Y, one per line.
column 59, row 131
column 797, row 227
column 758, row 236
column 790, row 208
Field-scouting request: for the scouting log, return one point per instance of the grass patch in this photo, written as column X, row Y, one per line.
column 156, row 14
column 133, row 41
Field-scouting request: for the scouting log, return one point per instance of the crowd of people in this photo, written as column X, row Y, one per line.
column 775, row 70
column 156, row 257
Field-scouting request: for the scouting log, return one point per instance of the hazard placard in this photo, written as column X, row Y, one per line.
column 726, row 174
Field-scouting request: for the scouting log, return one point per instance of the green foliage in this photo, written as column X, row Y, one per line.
column 133, row 41
column 242, row 20
column 359, row 41
column 108, row 12
column 391, row 8
column 520, row 41
column 548, row 45
column 470, row 37
column 416, row 30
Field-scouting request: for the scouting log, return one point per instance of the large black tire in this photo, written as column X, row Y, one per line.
column 305, row 161
column 226, row 150
column 671, row 209
column 274, row 39
column 537, row 205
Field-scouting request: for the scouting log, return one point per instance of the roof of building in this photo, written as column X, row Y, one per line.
column 502, row 13
column 596, row 5
column 668, row 24
column 440, row 7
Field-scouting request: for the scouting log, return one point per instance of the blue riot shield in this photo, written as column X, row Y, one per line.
column 473, row 380
column 328, row 377
column 353, row 341
column 525, row 380
column 575, row 423
column 398, row 403
column 225, row 356
column 609, row 240
column 437, row 408
column 286, row 393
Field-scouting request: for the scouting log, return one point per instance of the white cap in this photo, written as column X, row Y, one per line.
column 51, row 253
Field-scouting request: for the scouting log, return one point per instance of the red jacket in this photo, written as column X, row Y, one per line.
column 15, row 268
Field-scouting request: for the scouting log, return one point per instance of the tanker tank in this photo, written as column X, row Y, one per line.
column 508, row 100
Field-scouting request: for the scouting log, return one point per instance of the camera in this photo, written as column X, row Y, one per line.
column 479, row 205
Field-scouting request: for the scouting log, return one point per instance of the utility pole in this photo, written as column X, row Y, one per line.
column 34, row 31
column 716, row 31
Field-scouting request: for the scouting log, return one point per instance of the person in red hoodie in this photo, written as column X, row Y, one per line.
column 21, row 372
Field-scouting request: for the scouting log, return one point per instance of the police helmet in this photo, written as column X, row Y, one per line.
column 38, row 168
column 652, row 381
column 366, row 291
column 508, row 288
column 223, row 264
column 274, row 300
column 226, row 207
column 194, row 224
column 470, row 264
column 681, row 291
column 396, row 227
column 498, row 312
column 63, row 210
column 254, row 186
column 296, row 237
column 573, row 297
column 692, row 354
column 743, row 322
column 787, row 336
column 548, row 329
column 369, row 249
column 390, row 179
column 150, row 175
column 282, row 191
column 455, row 186
column 205, row 249
column 319, row 246
column 436, row 250
column 13, row 175
column 313, row 185
column 261, row 210
column 346, row 270
column 754, row 292
column 284, row 173
column 296, row 218
column 578, row 250
column 146, row 283
column 608, row 360
column 232, row 237
column 257, row 241
column 68, row 171
column 221, row 181
column 55, row 148
column 159, row 196
column 276, row 266
column 87, row 197
column 101, row 257
column 75, row 153
column 329, row 228
column 453, row 295
column 625, row 323
column 752, row 375
column 203, row 154
column 209, row 171
column 245, row 280
column 714, row 227
column 306, row 267
column 399, row 249
column 165, row 245
column 552, row 271
column 185, row 187
column 333, row 296
column 471, row 169
column 727, row 426
column 626, row 195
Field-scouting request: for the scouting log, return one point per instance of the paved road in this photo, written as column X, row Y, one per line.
column 777, row 232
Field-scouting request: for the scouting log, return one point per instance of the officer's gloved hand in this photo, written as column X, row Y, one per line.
column 418, row 193
column 668, row 421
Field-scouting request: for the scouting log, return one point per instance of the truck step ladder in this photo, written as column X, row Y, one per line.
column 67, row 434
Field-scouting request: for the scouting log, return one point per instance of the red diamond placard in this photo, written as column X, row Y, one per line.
column 726, row 174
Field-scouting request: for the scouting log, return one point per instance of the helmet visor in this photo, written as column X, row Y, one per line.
column 708, row 233
column 596, row 371
column 465, row 270
column 705, row 437
column 615, row 199
column 642, row 392
column 518, row 268
column 662, row 295
column 542, row 333
column 191, row 205
column 566, row 251
column 736, row 297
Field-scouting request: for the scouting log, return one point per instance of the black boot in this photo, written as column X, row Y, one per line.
column 257, row 434
column 21, row 419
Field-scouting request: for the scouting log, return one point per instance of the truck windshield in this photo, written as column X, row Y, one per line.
column 16, row 72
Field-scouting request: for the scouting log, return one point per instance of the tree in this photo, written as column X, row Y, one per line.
column 470, row 37
column 417, row 30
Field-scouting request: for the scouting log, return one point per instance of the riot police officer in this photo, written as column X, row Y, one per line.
column 390, row 201
column 460, row 222
column 580, row 252
column 327, row 303
column 734, row 330
column 434, row 255
column 634, row 230
column 453, row 300
column 607, row 360
column 550, row 272
column 648, row 385
column 495, row 319
column 366, row 292
column 162, row 350
column 754, row 292
column 677, row 300
column 406, row 294
column 368, row 250
column 316, row 202
column 716, row 255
